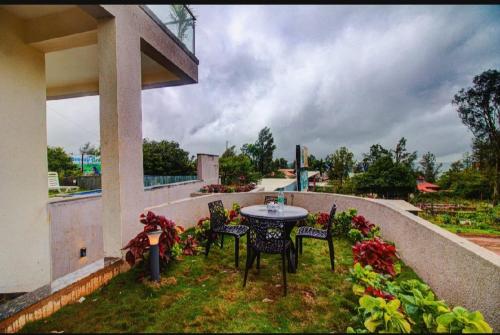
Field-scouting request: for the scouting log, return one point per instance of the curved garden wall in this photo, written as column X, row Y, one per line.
column 458, row 270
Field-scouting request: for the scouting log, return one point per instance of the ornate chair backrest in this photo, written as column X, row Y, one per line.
column 267, row 235
column 330, row 220
column 269, row 198
column 217, row 215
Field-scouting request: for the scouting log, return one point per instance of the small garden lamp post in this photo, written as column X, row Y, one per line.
column 154, row 254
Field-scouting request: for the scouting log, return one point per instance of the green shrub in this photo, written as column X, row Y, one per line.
column 460, row 320
column 446, row 219
column 342, row 222
column 383, row 316
column 419, row 304
column 355, row 235
column 363, row 277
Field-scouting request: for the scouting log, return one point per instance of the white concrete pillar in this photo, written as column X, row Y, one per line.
column 24, row 225
column 121, row 133
column 207, row 168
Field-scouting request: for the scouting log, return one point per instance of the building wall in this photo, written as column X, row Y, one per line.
column 78, row 222
column 75, row 224
column 459, row 271
column 24, row 227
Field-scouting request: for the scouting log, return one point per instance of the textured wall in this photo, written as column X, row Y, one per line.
column 75, row 224
column 24, row 228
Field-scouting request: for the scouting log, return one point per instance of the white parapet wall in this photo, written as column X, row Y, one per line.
column 459, row 271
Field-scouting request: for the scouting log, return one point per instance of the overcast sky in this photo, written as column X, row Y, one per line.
column 321, row 76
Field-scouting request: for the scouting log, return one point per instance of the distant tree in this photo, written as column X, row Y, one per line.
column 376, row 152
column 261, row 153
column 236, row 169
column 229, row 152
column 401, row 155
column 430, row 169
column 479, row 109
column 166, row 158
column 59, row 161
column 317, row 164
column 380, row 173
column 280, row 163
column 339, row 164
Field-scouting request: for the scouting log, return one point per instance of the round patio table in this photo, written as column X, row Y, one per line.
column 290, row 215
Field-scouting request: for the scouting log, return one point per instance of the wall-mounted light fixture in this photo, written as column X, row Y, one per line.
column 154, row 254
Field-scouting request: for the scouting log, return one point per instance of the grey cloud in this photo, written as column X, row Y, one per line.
column 327, row 76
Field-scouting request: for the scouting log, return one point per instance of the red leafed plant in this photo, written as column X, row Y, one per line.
column 363, row 225
column 214, row 188
column 377, row 253
column 245, row 188
column 322, row 219
column 190, row 246
column 374, row 292
column 140, row 244
column 232, row 214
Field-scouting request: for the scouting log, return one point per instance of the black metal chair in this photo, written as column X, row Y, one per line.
column 218, row 225
column 271, row 237
column 320, row 234
column 269, row 198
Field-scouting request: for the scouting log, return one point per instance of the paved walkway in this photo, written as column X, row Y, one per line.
column 488, row 242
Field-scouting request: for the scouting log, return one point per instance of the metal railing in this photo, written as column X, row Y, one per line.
column 164, row 180
column 178, row 19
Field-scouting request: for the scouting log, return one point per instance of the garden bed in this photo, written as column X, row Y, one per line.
column 201, row 294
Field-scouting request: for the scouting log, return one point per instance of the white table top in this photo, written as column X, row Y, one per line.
column 288, row 213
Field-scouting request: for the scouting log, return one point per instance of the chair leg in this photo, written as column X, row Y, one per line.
column 283, row 256
column 236, row 251
column 247, row 265
column 258, row 261
column 296, row 252
column 209, row 241
column 221, row 241
column 332, row 253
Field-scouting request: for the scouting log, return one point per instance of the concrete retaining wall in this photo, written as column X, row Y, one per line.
column 459, row 271
column 77, row 223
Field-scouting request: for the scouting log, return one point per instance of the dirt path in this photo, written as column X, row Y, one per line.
column 489, row 242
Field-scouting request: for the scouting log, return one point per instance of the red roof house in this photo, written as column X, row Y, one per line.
column 426, row 187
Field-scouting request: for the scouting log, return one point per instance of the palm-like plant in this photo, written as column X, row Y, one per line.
column 182, row 18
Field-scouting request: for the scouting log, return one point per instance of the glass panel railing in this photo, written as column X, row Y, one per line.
column 150, row 181
column 179, row 20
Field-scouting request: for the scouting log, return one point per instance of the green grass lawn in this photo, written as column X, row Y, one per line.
column 480, row 222
column 199, row 294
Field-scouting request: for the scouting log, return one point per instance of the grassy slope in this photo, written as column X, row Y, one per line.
column 207, row 296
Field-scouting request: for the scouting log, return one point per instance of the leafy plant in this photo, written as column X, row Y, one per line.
column 355, row 235
column 377, row 253
column 419, row 303
column 322, row 219
column 363, row 225
column 201, row 231
column 191, row 246
column 374, row 292
column 140, row 244
column 218, row 188
column 342, row 223
column 460, row 320
column 383, row 316
column 310, row 220
column 364, row 277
